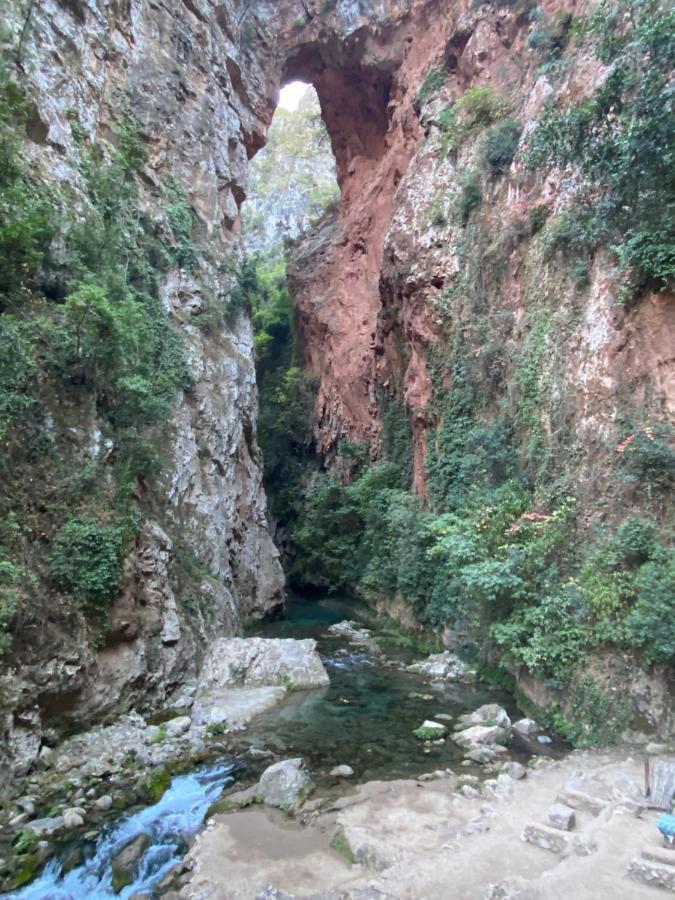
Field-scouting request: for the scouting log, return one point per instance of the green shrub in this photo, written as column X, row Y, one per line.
column 86, row 560
column 501, row 143
column 470, row 197
column 620, row 138
column 651, row 622
column 9, row 580
column 478, row 107
column 433, row 82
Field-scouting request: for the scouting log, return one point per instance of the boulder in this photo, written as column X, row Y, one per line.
column 105, row 801
column 73, row 817
column 342, row 772
column 284, row 784
column 234, row 707
column 525, row 726
column 178, row 726
column 257, row 662
column 443, row 667
column 479, row 736
column 515, row 769
column 125, row 862
column 488, row 714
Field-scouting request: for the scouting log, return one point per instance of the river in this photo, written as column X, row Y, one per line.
column 364, row 718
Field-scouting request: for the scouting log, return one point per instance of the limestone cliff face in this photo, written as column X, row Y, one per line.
column 197, row 78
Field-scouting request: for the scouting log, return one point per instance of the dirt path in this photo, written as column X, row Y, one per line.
column 424, row 839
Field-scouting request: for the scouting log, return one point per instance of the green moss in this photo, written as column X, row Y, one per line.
column 340, row 845
column 156, row 784
column 433, row 82
column 430, row 734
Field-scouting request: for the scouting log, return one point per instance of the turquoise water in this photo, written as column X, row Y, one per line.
column 364, row 718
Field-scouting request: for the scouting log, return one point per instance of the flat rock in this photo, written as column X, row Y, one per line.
column 479, row 735
column 234, row 707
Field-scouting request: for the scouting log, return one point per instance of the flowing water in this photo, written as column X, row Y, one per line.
column 364, row 718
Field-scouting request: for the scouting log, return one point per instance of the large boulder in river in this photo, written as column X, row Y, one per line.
column 257, row 662
column 443, row 667
column 284, row 784
column 488, row 714
column 243, row 677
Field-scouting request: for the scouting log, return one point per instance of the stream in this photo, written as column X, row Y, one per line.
column 364, row 718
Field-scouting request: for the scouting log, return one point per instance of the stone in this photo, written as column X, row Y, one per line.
column 515, row 769
column 257, row 662
column 152, row 734
column 443, row 667
column 342, row 772
column 284, row 784
column 125, row 862
column 562, row 816
column 655, row 874
column 561, row 843
column 105, row 801
column 45, row 827
column 469, row 791
column 178, row 726
column 479, row 735
column 489, row 714
column 234, row 707
column 500, row 788
column 73, row 817
column 525, row 726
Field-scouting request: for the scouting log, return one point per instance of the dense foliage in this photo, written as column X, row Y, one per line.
column 83, row 332
column 622, row 139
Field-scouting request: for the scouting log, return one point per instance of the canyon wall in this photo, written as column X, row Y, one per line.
column 396, row 276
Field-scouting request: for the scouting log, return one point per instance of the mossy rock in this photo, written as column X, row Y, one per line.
column 156, row 784
column 428, row 733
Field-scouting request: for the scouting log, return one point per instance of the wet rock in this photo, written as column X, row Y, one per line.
column 443, row 667
column 342, row 772
column 562, row 816
column 430, row 731
column 284, row 784
column 125, row 863
column 234, row 707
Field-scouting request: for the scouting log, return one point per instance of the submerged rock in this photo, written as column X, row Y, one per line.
column 124, row 864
